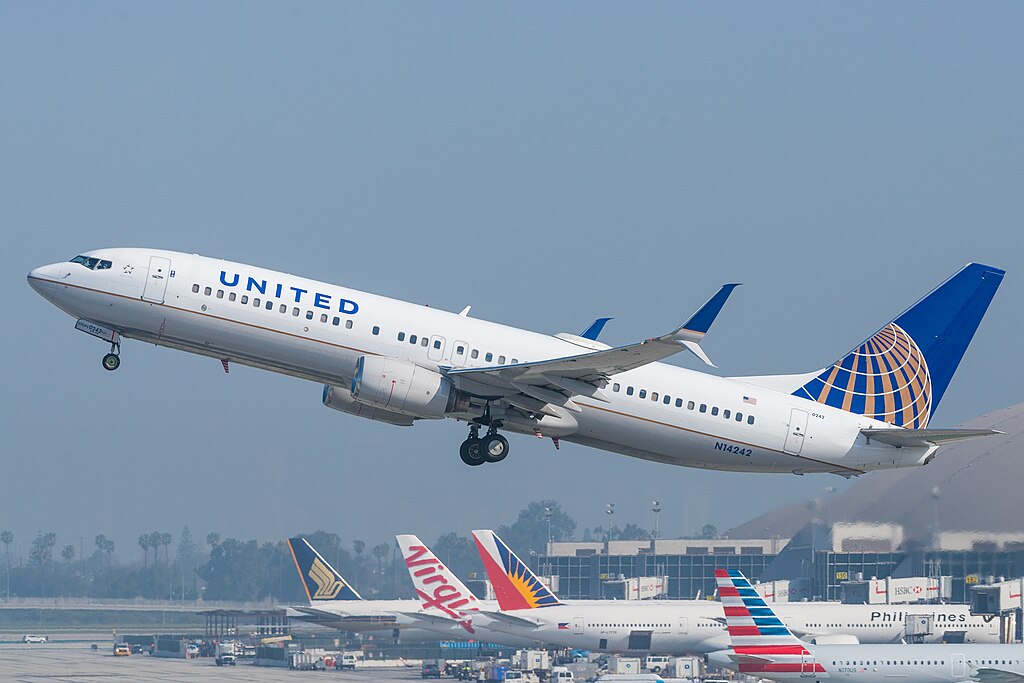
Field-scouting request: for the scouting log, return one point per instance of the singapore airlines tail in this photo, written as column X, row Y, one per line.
column 761, row 643
column 321, row 581
column 901, row 372
column 515, row 585
column 440, row 591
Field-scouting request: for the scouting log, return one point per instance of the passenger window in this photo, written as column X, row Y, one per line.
column 348, row 324
column 615, row 387
column 654, row 395
column 231, row 296
column 412, row 338
column 643, row 393
column 714, row 410
column 256, row 302
column 679, row 403
column 750, row 419
column 459, row 350
column 703, row 407
column 376, row 329
column 629, row 391
column 295, row 311
column 668, row 399
column 424, row 341
column 207, row 291
column 309, row 315
column 401, row 336
column 514, row 361
column 474, row 354
column 220, row 293
column 489, row 357
column 244, row 299
column 323, row 318
column 437, row 343
column 739, row 417
column 726, row 413
column 270, row 305
column 195, row 289
column 335, row 321
column 501, row 360
column 283, row 308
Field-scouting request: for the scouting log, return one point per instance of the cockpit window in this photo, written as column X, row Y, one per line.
column 92, row 263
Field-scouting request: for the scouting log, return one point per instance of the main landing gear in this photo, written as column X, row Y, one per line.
column 476, row 449
column 112, row 361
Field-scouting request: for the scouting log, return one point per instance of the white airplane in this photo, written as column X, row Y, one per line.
column 689, row 626
column 398, row 362
column 762, row 646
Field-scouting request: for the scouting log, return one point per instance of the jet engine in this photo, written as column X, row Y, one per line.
column 402, row 387
column 339, row 398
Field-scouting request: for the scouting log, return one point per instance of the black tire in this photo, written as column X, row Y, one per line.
column 111, row 362
column 471, row 453
column 494, row 447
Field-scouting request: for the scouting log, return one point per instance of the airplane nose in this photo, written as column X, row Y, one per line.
column 44, row 278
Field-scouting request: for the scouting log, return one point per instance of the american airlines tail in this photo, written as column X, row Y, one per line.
column 515, row 584
column 900, row 373
column 761, row 643
column 439, row 590
column 320, row 580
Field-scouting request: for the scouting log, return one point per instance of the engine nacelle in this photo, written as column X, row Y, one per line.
column 339, row 398
column 401, row 387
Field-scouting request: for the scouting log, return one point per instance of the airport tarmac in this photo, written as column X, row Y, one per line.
column 73, row 662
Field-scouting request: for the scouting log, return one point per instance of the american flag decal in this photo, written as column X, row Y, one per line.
column 750, row 399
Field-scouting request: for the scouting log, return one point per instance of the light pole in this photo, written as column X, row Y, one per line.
column 610, row 509
column 656, row 509
column 548, row 512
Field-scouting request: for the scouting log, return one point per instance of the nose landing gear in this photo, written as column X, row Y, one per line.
column 112, row 361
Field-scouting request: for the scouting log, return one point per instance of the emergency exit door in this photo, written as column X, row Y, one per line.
column 797, row 431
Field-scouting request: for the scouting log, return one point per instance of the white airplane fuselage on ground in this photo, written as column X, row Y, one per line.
column 319, row 332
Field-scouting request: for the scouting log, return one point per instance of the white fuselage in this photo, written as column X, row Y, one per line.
column 885, row 663
column 683, row 627
column 317, row 331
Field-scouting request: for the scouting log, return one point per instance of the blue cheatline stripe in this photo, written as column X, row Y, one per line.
column 761, row 612
column 768, row 621
column 748, row 593
column 773, row 631
column 754, row 602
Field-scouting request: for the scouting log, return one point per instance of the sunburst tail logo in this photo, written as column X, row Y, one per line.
column 515, row 584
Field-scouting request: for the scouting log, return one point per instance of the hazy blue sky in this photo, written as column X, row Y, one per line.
column 547, row 163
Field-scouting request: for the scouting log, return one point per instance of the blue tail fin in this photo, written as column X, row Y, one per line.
column 320, row 580
column 900, row 374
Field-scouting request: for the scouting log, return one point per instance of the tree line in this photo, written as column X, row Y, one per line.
column 248, row 570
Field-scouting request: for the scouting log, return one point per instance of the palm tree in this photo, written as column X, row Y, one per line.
column 144, row 543
column 68, row 553
column 154, row 543
column 213, row 539
column 7, row 538
column 165, row 540
column 380, row 551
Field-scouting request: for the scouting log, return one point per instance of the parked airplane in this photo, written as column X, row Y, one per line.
column 689, row 626
column 762, row 646
column 398, row 362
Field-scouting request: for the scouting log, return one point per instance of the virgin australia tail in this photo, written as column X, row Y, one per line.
column 441, row 593
column 900, row 373
column 320, row 580
column 515, row 584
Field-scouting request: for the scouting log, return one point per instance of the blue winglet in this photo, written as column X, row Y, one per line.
column 595, row 328
column 702, row 319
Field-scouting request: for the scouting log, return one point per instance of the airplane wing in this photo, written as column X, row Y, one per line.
column 433, row 620
column 924, row 437
column 993, row 675
column 579, row 374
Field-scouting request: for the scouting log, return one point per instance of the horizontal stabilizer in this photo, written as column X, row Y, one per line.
column 518, row 622
column 922, row 438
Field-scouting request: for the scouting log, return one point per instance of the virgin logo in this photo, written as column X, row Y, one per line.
column 434, row 589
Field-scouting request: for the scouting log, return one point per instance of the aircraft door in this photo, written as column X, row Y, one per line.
column 436, row 349
column 577, row 626
column 797, row 431
column 460, row 352
column 684, row 625
column 156, row 281
column 959, row 664
column 807, row 665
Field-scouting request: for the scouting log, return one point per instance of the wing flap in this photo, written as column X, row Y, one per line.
column 993, row 675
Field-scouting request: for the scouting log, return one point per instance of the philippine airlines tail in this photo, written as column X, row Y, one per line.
column 320, row 580
column 761, row 643
column 900, row 373
column 441, row 593
column 515, row 585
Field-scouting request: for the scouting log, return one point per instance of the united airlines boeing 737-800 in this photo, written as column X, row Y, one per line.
column 398, row 362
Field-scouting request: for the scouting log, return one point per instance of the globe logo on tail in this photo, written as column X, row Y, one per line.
column 885, row 378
